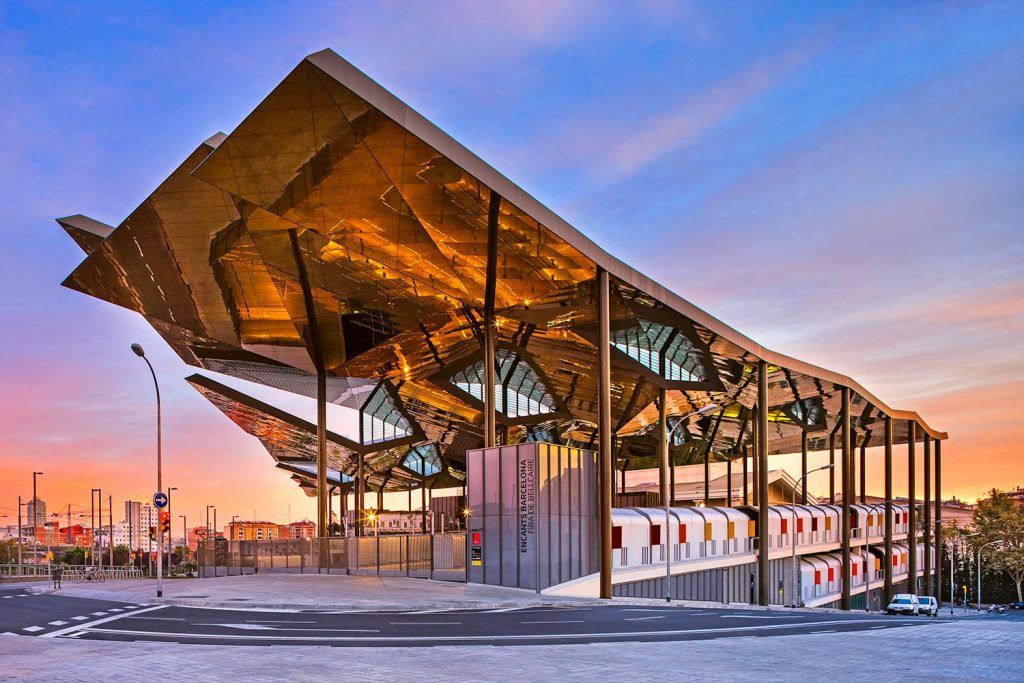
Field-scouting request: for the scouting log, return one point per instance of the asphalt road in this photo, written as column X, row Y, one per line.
column 27, row 614
column 23, row 612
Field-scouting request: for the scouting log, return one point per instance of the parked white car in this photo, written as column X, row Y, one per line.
column 903, row 603
column 927, row 606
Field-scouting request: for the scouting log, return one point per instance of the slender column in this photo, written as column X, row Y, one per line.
column 912, row 506
column 887, row 589
column 847, row 465
column 762, row 487
column 803, row 467
column 489, row 293
column 604, row 428
column 728, row 478
column 864, row 467
column 323, row 521
column 663, row 451
column 423, row 493
column 360, row 502
column 707, row 476
column 832, row 470
column 746, row 477
column 927, row 515
column 755, row 460
column 938, row 521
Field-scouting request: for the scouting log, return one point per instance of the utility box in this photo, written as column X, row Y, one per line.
column 533, row 515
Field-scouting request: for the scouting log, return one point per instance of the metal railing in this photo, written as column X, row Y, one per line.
column 436, row 556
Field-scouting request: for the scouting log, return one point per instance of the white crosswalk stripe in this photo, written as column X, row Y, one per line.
column 58, row 623
column 32, row 629
column 79, row 618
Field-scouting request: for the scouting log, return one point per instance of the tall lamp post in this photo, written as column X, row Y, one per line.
column 184, row 539
column 792, row 532
column 867, row 554
column 170, row 535
column 998, row 542
column 159, row 472
column 35, row 520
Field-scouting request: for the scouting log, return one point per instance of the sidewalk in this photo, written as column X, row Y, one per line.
column 334, row 592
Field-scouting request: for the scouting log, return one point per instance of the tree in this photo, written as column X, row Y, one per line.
column 999, row 518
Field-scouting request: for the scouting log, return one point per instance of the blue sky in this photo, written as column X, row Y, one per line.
column 840, row 181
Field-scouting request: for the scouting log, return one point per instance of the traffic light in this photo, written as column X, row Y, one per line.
column 165, row 521
column 152, row 533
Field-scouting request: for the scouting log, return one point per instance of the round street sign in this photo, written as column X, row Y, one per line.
column 160, row 499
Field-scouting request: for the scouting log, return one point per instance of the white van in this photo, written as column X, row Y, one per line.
column 927, row 606
column 903, row 603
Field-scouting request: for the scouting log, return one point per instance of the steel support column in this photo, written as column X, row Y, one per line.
column 728, row 478
column 887, row 530
column 864, row 467
column 490, row 285
column 663, row 451
column 846, row 455
column 832, row 470
column 746, row 478
column 313, row 340
column 803, row 467
column 912, row 506
column 927, row 515
column 938, row 521
column 360, row 511
column 762, row 487
column 604, row 428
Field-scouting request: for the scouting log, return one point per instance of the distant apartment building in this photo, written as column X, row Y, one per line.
column 35, row 513
column 199, row 533
column 389, row 522
column 297, row 530
column 76, row 535
column 139, row 517
column 252, row 531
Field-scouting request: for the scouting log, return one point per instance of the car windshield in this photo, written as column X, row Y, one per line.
column 902, row 601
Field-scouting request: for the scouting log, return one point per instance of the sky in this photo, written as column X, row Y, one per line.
column 843, row 182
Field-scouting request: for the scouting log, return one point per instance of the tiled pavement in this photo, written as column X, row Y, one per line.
column 970, row 649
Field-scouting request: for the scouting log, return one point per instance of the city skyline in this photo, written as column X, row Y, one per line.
column 927, row 326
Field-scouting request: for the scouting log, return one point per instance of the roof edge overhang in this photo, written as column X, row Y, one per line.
column 337, row 67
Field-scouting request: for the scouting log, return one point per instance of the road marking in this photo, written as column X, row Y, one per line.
column 426, row 623
column 260, row 627
column 450, row 638
column 555, row 621
column 131, row 616
column 115, row 609
column 77, row 627
column 8, row 597
column 760, row 616
column 643, row 618
column 98, row 614
column 58, row 623
column 831, row 630
column 32, row 629
column 79, row 618
column 272, row 621
column 502, row 609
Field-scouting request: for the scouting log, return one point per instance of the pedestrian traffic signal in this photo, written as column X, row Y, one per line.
column 152, row 533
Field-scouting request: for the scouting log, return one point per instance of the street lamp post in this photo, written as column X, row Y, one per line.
column 184, row 538
column 137, row 349
column 170, row 536
column 35, row 520
column 867, row 553
column 792, row 532
column 997, row 542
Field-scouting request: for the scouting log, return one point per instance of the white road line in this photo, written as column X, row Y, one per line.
column 8, row 597
column 58, row 623
column 642, row 618
column 115, row 609
column 132, row 616
column 760, row 616
column 831, row 630
column 555, row 621
column 449, row 638
column 32, row 629
column 77, row 627
column 271, row 621
column 79, row 618
column 98, row 614
column 502, row 609
column 425, row 623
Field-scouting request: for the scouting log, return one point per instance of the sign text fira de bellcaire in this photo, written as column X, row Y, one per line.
column 527, row 502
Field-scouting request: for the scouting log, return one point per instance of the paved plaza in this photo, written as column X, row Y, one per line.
column 317, row 591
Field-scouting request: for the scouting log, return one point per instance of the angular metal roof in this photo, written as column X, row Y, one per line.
column 337, row 227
